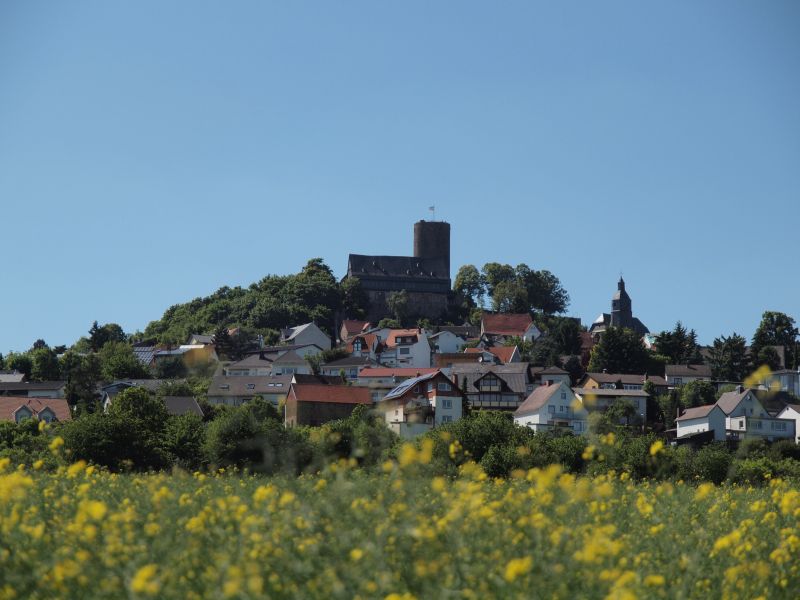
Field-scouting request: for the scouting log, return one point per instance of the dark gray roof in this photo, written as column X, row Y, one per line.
column 350, row 361
column 17, row 386
column 253, row 361
column 201, row 338
column 181, row 405
column 688, row 371
column 730, row 400
column 610, row 393
column 403, row 387
column 360, row 265
column 516, row 376
column 303, row 379
column 697, row 412
column 144, row 354
column 249, row 385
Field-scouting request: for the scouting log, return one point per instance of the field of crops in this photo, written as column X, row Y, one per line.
column 396, row 533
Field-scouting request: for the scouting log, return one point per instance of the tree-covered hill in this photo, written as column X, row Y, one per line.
column 265, row 307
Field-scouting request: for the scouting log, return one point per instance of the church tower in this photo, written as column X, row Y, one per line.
column 621, row 307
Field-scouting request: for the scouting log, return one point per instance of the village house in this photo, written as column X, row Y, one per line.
column 406, row 348
column 783, row 380
column 737, row 415
column 553, row 406
column 11, row 377
column 235, row 391
column 420, row 403
column 503, row 354
column 19, row 408
column 192, row 355
column 680, row 374
column 599, row 399
column 350, row 366
column 382, row 380
column 622, row 381
column 33, row 389
column 499, row 327
column 445, row 362
column 307, row 334
column 351, row 328
column 316, row 404
column 792, row 412
column 446, row 342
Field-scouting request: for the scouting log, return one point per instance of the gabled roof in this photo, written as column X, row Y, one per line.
column 181, row 405
column 688, row 371
column 625, row 378
column 370, row 340
column 516, row 376
column 287, row 335
column 351, row 327
column 503, row 353
column 201, row 338
column 350, row 361
column 391, row 339
column 730, row 400
column 11, row 377
column 410, row 383
column 10, row 404
column 336, row 394
column 698, row 412
column 260, row 360
column 506, row 323
column 305, row 379
column 39, row 386
column 241, row 386
column 537, row 399
column 610, row 393
column 376, row 372
column 290, row 358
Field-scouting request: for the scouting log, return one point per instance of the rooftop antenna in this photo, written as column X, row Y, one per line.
column 433, row 212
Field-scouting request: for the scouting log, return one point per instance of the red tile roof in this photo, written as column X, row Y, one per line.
column 336, row 394
column 391, row 339
column 389, row 372
column 506, row 324
column 504, row 353
column 352, row 327
column 369, row 342
column 9, row 404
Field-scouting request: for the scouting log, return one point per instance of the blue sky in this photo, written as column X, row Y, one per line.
column 151, row 152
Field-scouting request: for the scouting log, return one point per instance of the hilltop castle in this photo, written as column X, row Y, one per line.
column 425, row 276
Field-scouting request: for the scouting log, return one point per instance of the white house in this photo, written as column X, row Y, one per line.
column 681, row 374
column 446, row 342
column 306, row 334
column 406, row 348
column 792, row 411
column 744, row 418
column 420, row 403
column 600, row 399
column 552, row 406
column 784, row 380
column 701, row 419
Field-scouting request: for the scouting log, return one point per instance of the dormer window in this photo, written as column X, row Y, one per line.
column 251, row 386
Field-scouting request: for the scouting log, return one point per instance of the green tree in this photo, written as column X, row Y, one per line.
column 469, row 285
column 83, row 373
column 776, row 329
column 19, row 362
column 184, row 436
column 697, row 393
column 137, row 403
column 119, row 362
column 679, row 346
column 493, row 274
column 100, row 336
column 510, row 297
column 728, row 358
column 397, row 302
column 355, row 302
column 172, row 367
column 44, row 364
column 619, row 350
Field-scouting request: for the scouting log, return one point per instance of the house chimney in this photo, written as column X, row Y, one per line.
column 740, row 388
column 605, row 371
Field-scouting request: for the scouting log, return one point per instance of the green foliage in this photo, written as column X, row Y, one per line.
column 44, row 364
column 171, row 367
column 83, row 373
column 100, row 336
column 184, row 437
column 271, row 304
column 355, row 302
column 522, row 289
column 775, row 329
column 679, row 346
column 397, row 303
column 21, row 363
column 698, row 393
column 469, row 286
column 728, row 358
column 118, row 361
column 390, row 323
column 619, row 350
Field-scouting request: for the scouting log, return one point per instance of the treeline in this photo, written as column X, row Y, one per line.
column 138, row 435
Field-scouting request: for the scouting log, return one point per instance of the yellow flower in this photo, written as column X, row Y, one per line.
column 94, row 509
column 356, row 554
column 703, row 491
column 38, row 464
column 654, row 580
column 656, row 448
column 517, row 567
column 144, row 582
column 57, row 442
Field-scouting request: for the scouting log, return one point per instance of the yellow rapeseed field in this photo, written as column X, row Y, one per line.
column 398, row 533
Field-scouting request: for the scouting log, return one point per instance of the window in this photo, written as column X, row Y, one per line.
column 756, row 424
column 490, row 383
column 224, row 386
column 563, row 395
column 551, row 409
column 357, row 346
column 251, row 386
column 405, row 350
column 443, row 387
column 562, row 409
column 447, row 403
column 778, row 426
column 416, row 389
column 447, row 419
column 396, row 412
column 677, row 380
